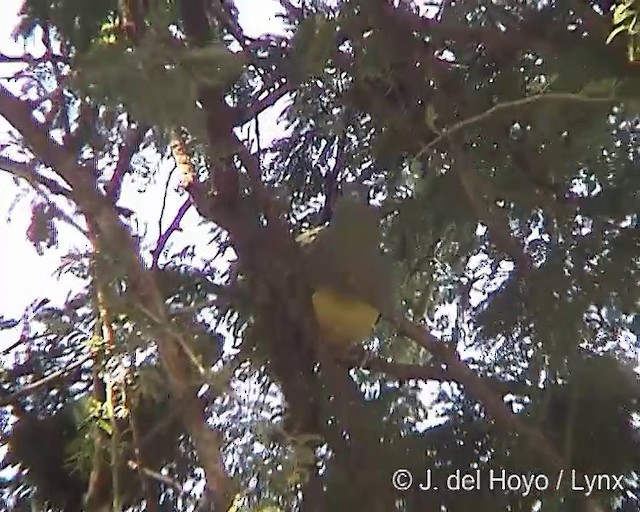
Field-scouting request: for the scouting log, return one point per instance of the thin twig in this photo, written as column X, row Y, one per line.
column 164, row 200
column 156, row 476
column 48, row 42
column 164, row 237
column 511, row 105
column 35, row 386
column 22, row 340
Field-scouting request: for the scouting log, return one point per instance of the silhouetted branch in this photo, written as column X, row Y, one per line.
column 28, row 172
column 154, row 475
column 529, row 101
column 49, row 379
column 268, row 101
column 493, row 403
column 143, row 292
column 132, row 140
column 164, row 237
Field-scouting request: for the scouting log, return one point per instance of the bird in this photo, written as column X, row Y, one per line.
column 351, row 279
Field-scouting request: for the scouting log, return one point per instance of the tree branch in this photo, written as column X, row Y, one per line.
column 132, row 140
column 143, row 290
column 494, row 405
column 28, row 172
column 500, row 108
column 49, row 379
column 164, row 237
column 268, row 101
column 497, row 224
column 422, row 372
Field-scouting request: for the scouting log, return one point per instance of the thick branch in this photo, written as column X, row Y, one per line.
column 28, row 172
column 268, row 101
column 432, row 371
column 35, row 135
column 143, row 291
column 494, row 405
column 283, row 301
column 132, row 140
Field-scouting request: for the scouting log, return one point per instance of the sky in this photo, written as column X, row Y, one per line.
column 24, row 275
column 22, row 272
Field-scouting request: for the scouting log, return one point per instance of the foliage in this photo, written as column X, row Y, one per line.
column 626, row 19
column 497, row 142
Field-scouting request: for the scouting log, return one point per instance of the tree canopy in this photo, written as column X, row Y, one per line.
column 498, row 144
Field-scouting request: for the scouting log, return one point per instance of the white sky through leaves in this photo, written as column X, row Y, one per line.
column 25, row 276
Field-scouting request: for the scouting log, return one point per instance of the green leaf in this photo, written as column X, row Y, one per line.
column 615, row 32
column 622, row 12
column 105, row 425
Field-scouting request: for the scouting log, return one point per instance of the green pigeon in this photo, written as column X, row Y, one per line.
column 352, row 280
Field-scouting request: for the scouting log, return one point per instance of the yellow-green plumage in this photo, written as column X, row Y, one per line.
column 351, row 279
column 344, row 320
